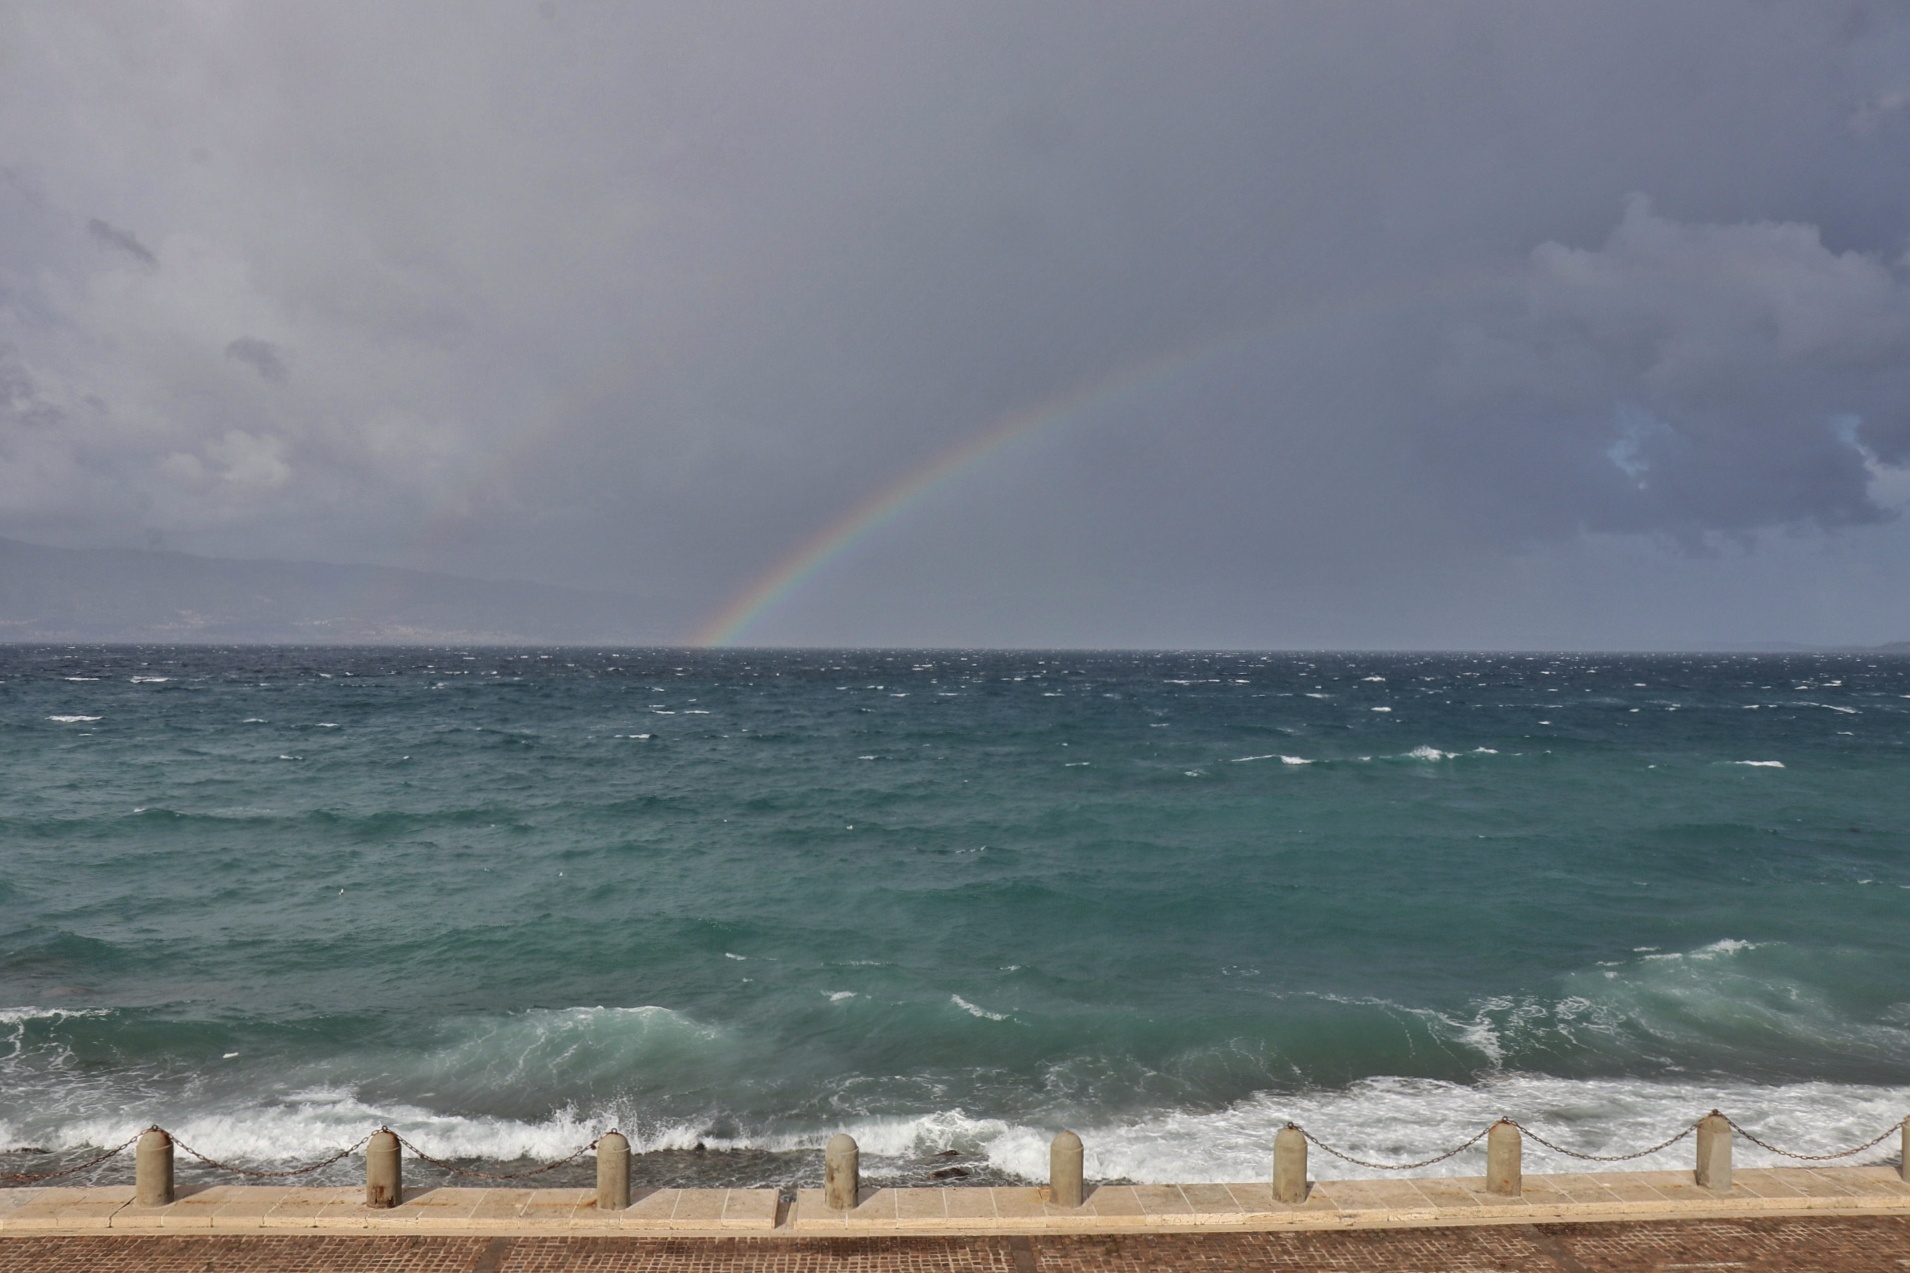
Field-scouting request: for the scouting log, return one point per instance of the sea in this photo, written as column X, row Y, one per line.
column 735, row 901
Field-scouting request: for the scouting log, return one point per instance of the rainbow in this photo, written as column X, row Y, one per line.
column 1075, row 404
column 859, row 522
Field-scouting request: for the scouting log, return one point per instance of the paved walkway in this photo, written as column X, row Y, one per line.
column 975, row 1212
column 1815, row 1244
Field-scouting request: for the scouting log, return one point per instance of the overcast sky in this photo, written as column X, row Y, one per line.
column 1387, row 325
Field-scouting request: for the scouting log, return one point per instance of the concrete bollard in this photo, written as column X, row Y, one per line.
column 1065, row 1170
column 841, row 1172
column 1714, row 1152
column 1505, row 1159
column 1289, row 1164
column 613, row 1171
column 384, row 1178
column 152, row 1169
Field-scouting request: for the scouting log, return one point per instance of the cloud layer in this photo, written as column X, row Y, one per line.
column 643, row 297
column 1692, row 378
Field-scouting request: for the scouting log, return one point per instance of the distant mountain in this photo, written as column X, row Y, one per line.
column 118, row 594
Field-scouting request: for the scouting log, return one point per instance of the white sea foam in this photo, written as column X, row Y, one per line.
column 72, row 720
column 26, row 1013
column 1423, row 752
column 149, row 680
column 1760, row 764
column 974, row 1011
column 1383, row 1118
column 1387, row 1119
column 1723, row 946
column 1402, row 1119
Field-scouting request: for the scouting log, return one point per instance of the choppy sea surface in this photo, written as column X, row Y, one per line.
column 735, row 901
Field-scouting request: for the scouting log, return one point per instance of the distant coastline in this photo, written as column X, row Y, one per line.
column 138, row 596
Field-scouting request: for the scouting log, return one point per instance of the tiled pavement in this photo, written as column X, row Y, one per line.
column 1811, row 1244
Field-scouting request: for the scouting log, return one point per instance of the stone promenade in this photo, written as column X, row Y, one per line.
column 1810, row 1244
column 1107, row 1209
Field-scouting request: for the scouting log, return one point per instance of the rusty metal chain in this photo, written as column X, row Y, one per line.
column 346, row 1152
column 31, row 1177
column 1388, row 1166
column 1879, row 1139
column 1573, row 1153
column 488, row 1175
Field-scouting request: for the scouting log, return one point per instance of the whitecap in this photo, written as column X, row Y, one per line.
column 1379, row 709
column 1724, row 946
column 974, row 1011
column 72, row 720
column 1423, row 752
column 1760, row 764
column 24, row 1014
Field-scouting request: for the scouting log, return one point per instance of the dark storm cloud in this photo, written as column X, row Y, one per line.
column 124, row 240
column 645, row 296
column 20, row 400
column 1689, row 378
column 260, row 355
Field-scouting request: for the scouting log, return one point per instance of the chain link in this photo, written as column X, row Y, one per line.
column 1556, row 1148
column 487, row 1175
column 1389, row 1166
column 1573, row 1153
column 26, row 1178
column 32, row 1177
column 1878, row 1139
column 346, row 1152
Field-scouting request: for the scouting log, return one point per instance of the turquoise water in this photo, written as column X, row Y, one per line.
column 503, row 899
